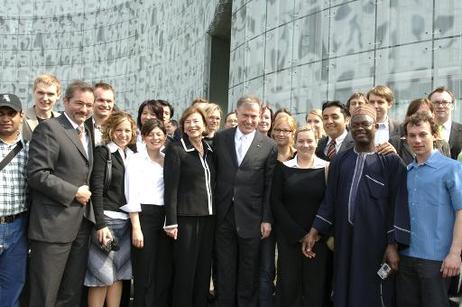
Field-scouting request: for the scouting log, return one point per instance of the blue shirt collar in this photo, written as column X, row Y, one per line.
column 432, row 161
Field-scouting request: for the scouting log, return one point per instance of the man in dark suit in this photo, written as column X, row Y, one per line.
column 61, row 214
column 335, row 121
column 245, row 160
column 444, row 101
column 102, row 108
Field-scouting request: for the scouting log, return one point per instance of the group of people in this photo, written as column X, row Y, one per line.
column 362, row 210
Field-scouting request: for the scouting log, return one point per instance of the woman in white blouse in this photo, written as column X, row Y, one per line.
column 144, row 191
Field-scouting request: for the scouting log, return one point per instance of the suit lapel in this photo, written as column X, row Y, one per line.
column 231, row 145
column 71, row 133
column 346, row 142
column 254, row 148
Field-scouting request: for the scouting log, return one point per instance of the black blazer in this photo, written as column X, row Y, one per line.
column 455, row 139
column 112, row 198
column 246, row 187
column 189, row 181
column 347, row 143
column 91, row 129
column 57, row 167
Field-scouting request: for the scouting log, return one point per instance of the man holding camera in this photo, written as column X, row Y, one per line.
column 366, row 205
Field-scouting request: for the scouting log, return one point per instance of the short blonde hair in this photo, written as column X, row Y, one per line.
column 48, row 79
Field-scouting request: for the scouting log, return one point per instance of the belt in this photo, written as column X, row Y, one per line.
column 10, row 218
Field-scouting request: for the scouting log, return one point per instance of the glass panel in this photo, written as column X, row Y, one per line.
column 447, row 69
column 254, row 87
column 308, row 38
column 236, row 66
column 238, row 28
column 279, row 12
column 400, row 22
column 278, row 89
column 448, row 16
column 256, row 21
column 309, row 86
column 255, row 57
column 350, row 29
column 407, row 71
column 279, row 48
column 350, row 73
column 305, row 7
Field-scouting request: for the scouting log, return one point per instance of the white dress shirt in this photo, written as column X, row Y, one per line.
column 84, row 137
column 144, row 182
column 242, row 143
column 338, row 142
column 446, row 130
column 382, row 135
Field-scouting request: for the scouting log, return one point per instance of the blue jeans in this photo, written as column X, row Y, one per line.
column 13, row 259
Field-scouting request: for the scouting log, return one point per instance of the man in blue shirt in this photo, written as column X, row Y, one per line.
column 434, row 184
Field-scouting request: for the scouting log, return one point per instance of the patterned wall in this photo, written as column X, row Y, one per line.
column 299, row 53
column 146, row 49
column 293, row 53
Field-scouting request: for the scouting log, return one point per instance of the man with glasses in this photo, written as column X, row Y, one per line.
column 61, row 213
column 444, row 100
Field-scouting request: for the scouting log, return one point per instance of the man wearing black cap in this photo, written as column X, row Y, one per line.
column 13, row 220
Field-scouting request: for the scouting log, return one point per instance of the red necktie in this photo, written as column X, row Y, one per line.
column 331, row 151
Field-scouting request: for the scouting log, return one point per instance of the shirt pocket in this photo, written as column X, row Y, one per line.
column 377, row 188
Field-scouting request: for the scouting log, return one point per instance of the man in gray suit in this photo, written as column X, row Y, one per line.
column 245, row 160
column 47, row 90
column 61, row 214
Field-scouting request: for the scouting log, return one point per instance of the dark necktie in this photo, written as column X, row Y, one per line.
column 331, row 151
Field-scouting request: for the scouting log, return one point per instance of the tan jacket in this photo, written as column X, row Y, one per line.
column 31, row 122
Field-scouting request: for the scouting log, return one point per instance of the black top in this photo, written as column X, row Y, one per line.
column 113, row 198
column 189, row 180
column 296, row 196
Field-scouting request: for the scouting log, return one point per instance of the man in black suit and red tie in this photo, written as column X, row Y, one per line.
column 245, row 160
column 61, row 213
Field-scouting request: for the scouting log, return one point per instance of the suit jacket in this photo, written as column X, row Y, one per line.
column 189, row 181
column 455, row 139
column 57, row 167
column 347, row 143
column 246, row 187
column 31, row 122
column 113, row 197
column 407, row 155
column 394, row 127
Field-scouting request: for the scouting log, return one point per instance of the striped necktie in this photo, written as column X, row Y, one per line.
column 331, row 151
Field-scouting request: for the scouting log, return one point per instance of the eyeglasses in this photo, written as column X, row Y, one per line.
column 283, row 131
column 441, row 102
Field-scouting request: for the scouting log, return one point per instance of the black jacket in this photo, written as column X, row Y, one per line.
column 189, row 181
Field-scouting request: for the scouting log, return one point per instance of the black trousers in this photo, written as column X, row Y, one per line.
column 420, row 283
column 192, row 254
column 152, row 264
column 57, row 270
column 237, row 264
column 302, row 282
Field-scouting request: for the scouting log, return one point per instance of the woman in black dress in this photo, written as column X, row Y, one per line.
column 297, row 191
